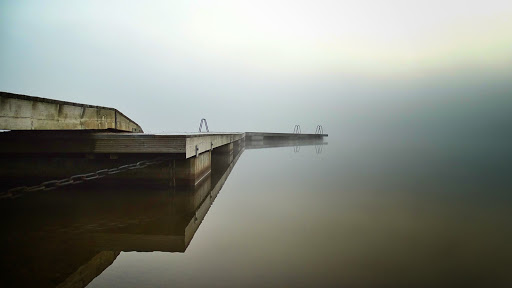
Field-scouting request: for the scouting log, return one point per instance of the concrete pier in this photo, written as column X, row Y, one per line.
column 52, row 140
column 134, row 192
column 258, row 136
column 87, row 142
column 54, row 155
column 22, row 112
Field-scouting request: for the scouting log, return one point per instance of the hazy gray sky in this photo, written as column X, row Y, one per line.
column 255, row 65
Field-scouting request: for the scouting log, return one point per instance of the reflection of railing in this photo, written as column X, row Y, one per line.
column 296, row 149
column 319, row 129
column 296, row 129
column 318, row 149
column 205, row 125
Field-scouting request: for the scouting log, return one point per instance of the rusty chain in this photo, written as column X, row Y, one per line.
column 76, row 179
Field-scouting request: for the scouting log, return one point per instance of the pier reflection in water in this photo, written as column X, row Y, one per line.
column 361, row 214
column 68, row 236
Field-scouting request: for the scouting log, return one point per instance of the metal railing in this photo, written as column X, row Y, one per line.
column 296, row 129
column 319, row 129
column 205, row 125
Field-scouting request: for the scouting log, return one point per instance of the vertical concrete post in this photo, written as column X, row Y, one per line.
column 191, row 171
column 223, row 155
column 237, row 145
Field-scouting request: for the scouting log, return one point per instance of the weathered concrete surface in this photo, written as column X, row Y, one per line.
column 223, row 155
column 270, row 143
column 52, row 164
column 191, row 171
column 199, row 143
column 257, row 136
column 22, row 112
column 73, row 142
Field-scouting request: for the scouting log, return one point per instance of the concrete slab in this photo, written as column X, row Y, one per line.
column 23, row 112
column 252, row 136
column 85, row 142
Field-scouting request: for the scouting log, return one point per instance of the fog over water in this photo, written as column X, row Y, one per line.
column 413, row 188
column 266, row 66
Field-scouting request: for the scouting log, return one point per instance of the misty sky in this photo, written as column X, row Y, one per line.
column 264, row 65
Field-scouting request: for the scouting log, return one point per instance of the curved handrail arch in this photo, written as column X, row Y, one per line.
column 205, row 125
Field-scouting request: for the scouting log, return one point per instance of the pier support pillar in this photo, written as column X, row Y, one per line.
column 191, row 171
column 237, row 145
column 223, row 155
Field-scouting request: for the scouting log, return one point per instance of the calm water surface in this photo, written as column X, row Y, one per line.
column 365, row 212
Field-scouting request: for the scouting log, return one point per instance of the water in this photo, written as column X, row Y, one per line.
column 361, row 213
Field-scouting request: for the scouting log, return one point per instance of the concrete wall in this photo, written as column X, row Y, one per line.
column 21, row 112
column 189, row 172
column 200, row 143
column 223, row 155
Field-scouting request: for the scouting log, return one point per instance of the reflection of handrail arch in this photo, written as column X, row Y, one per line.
column 296, row 129
column 205, row 125
column 296, row 149
column 318, row 149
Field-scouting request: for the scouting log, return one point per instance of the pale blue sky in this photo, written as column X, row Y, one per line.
column 254, row 65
